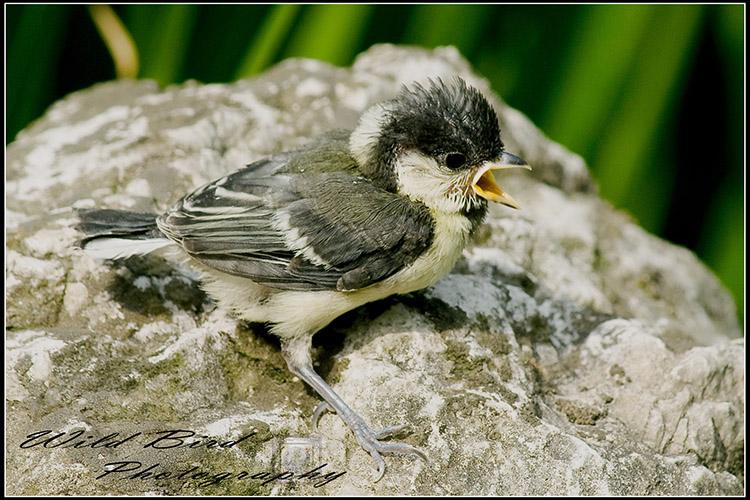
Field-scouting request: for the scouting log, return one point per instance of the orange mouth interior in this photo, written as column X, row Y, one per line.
column 487, row 186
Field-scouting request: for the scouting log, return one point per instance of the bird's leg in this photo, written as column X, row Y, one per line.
column 296, row 352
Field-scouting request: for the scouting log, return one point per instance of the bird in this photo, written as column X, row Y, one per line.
column 298, row 238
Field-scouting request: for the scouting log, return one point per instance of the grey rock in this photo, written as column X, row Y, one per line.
column 569, row 352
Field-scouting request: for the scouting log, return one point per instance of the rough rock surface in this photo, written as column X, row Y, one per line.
column 569, row 352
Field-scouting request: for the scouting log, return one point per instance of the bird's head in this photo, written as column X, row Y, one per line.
column 437, row 144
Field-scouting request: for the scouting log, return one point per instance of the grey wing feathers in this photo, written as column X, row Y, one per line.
column 108, row 223
column 298, row 230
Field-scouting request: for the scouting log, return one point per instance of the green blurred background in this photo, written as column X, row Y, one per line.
column 651, row 96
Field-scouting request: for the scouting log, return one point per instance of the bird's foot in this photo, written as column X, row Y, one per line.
column 370, row 440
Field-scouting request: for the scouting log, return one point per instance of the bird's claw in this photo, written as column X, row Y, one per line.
column 319, row 411
column 370, row 440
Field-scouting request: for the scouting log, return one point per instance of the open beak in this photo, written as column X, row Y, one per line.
column 484, row 183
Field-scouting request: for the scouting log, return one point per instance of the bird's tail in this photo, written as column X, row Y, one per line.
column 118, row 234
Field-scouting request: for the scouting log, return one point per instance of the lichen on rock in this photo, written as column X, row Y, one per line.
column 569, row 352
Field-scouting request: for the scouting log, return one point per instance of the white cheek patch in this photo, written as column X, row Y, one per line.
column 365, row 136
column 421, row 178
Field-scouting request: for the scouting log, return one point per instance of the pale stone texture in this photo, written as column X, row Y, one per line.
column 569, row 352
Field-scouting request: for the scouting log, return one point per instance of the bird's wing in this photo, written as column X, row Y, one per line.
column 299, row 230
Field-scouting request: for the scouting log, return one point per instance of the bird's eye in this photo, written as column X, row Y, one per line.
column 455, row 160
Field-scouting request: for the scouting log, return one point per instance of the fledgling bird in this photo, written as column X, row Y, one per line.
column 299, row 238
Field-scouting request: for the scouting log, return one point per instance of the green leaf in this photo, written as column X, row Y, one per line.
column 603, row 50
column 33, row 56
column 267, row 43
column 722, row 243
column 330, row 33
column 162, row 34
column 459, row 25
column 624, row 164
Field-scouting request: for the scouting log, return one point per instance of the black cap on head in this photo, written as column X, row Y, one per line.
column 439, row 119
